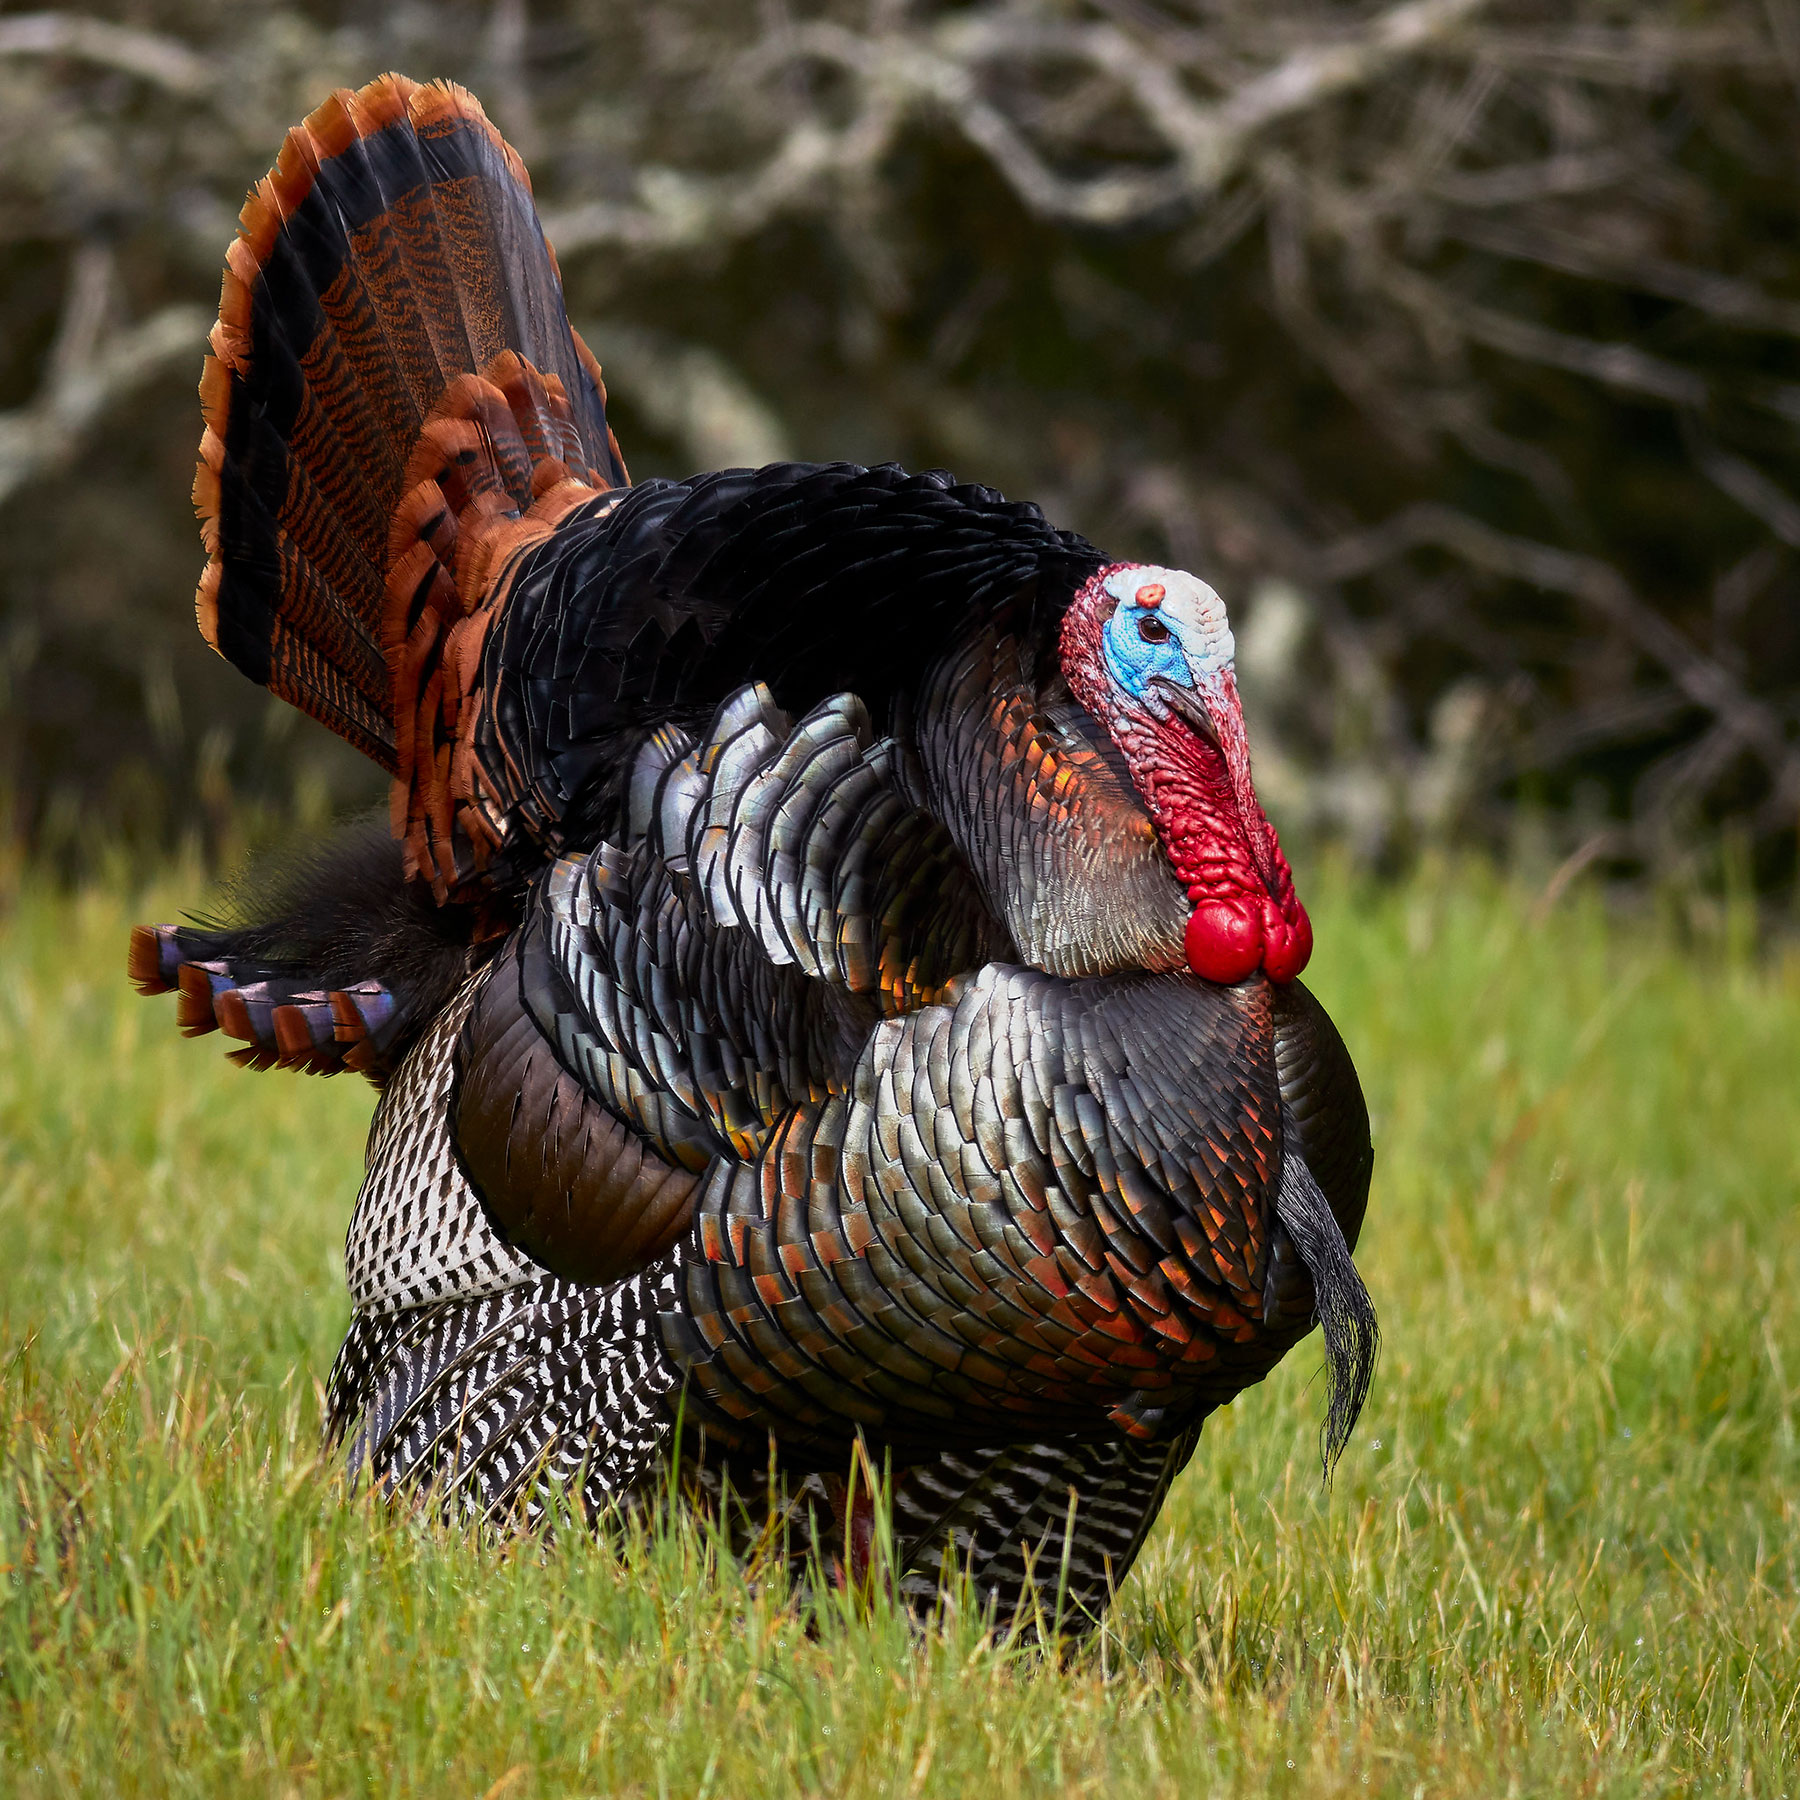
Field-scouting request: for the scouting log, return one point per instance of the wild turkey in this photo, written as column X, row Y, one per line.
column 829, row 978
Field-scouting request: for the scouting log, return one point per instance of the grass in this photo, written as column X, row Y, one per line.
column 1561, row 1555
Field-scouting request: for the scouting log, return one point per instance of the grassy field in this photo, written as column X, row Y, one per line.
column 1562, row 1554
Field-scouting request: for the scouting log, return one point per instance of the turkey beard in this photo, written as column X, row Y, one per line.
column 1345, row 1311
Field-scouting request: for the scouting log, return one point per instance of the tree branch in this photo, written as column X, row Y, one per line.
column 87, row 375
column 901, row 73
column 164, row 62
column 1719, row 296
column 1596, row 584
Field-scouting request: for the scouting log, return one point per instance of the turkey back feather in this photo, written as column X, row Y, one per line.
column 812, row 578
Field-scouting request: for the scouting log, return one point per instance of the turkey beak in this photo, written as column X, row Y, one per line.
column 1190, row 707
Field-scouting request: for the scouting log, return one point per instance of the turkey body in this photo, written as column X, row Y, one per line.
column 782, row 976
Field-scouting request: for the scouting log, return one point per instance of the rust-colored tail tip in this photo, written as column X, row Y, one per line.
column 194, row 1015
column 293, row 1036
column 349, row 1026
column 143, row 960
column 234, row 1016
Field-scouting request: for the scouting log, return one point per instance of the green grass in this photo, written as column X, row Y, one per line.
column 1561, row 1555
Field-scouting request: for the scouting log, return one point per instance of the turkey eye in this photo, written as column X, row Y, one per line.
column 1152, row 630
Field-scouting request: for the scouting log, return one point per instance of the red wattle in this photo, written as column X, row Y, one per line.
column 1287, row 946
column 1224, row 942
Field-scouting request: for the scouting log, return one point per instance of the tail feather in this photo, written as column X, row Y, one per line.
column 324, row 960
column 489, row 478
column 395, row 406
column 280, row 1020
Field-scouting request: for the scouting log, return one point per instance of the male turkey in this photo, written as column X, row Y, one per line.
column 830, row 981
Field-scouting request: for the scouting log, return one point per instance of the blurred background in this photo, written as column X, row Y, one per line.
column 1457, row 344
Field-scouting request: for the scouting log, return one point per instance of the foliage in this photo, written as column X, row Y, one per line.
column 1562, row 1554
column 1458, row 341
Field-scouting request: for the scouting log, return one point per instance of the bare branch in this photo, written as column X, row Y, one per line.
column 85, row 379
column 165, row 62
column 1616, row 365
column 1314, row 75
column 1573, row 172
column 1753, row 490
column 1784, row 28
column 1637, row 56
column 677, row 211
column 85, row 306
column 1597, row 584
column 940, row 70
column 1719, row 296
column 509, row 27
column 691, row 394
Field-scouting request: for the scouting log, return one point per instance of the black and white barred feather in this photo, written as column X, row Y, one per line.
column 467, row 1367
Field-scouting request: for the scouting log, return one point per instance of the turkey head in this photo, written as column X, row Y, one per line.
column 1148, row 652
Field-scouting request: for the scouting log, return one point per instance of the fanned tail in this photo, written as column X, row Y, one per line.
column 396, row 407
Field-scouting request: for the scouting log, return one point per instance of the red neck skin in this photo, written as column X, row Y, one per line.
column 1223, row 849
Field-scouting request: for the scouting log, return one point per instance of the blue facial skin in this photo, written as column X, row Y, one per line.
column 1133, row 663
